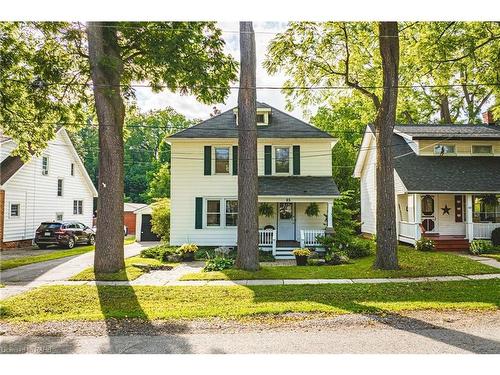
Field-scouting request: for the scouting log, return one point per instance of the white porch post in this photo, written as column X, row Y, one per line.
column 468, row 221
column 274, row 242
column 417, row 214
column 329, row 214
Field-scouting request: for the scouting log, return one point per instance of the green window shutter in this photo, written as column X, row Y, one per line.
column 198, row 213
column 235, row 160
column 208, row 160
column 267, row 160
column 296, row 160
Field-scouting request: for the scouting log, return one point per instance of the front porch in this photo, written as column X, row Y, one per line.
column 452, row 220
column 289, row 224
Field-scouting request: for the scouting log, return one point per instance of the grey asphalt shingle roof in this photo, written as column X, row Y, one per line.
column 282, row 125
column 297, row 185
column 450, row 173
column 450, row 131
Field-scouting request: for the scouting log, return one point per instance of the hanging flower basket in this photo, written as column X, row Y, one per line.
column 266, row 209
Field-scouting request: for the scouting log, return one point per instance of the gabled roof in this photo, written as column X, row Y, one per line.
column 297, row 186
column 447, row 131
column 130, row 207
column 12, row 164
column 282, row 125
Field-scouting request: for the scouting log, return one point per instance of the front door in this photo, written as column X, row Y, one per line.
column 428, row 206
column 286, row 221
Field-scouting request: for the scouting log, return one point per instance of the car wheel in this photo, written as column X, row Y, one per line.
column 41, row 247
column 91, row 240
column 71, row 243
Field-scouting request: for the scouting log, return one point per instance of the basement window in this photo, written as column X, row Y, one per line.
column 482, row 150
column 444, row 150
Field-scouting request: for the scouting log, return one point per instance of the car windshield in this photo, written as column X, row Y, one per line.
column 44, row 226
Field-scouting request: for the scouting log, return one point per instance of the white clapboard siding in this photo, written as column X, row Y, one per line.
column 189, row 182
column 369, row 190
column 37, row 194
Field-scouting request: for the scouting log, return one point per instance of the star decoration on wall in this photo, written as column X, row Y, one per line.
column 446, row 209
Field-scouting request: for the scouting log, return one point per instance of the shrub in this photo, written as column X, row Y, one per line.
column 218, row 264
column 425, row 244
column 478, row 247
column 301, row 252
column 336, row 259
column 188, row 248
column 160, row 219
column 358, row 248
column 495, row 237
column 315, row 262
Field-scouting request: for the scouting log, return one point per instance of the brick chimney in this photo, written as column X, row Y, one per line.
column 488, row 118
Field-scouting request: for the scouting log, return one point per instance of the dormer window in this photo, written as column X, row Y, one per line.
column 444, row 150
column 263, row 116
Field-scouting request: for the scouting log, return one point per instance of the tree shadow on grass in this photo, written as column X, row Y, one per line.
column 129, row 328
column 339, row 297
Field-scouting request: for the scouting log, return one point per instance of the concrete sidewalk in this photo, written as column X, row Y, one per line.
column 57, row 271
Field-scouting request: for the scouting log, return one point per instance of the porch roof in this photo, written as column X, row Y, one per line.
column 445, row 174
column 297, row 186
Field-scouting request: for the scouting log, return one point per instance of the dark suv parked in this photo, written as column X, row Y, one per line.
column 63, row 233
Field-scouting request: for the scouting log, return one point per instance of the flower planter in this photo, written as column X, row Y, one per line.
column 188, row 257
column 301, row 260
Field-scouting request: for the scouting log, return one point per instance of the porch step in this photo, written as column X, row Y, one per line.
column 287, row 252
column 451, row 244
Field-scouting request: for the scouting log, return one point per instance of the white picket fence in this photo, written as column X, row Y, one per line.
column 483, row 230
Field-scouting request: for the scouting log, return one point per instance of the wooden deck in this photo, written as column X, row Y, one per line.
column 448, row 242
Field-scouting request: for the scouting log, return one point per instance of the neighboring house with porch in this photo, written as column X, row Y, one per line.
column 52, row 186
column 447, row 182
column 294, row 173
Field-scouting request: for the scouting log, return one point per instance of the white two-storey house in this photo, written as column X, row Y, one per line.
column 296, row 189
column 52, row 186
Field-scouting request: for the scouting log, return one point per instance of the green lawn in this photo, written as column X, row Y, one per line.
column 56, row 254
column 56, row 303
column 413, row 264
column 130, row 272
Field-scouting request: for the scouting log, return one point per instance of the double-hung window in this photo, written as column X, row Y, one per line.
column 60, row 187
column 213, row 213
column 45, row 165
column 282, row 160
column 15, row 210
column 77, row 207
column 221, row 212
column 231, row 213
column 222, row 160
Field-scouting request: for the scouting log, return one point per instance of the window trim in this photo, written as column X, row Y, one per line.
column 18, row 216
column 61, row 214
column 290, row 160
column 481, row 153
column 454, row 153
column 77, row 200
column 230, row 213
column 222, row 212
column 62, row 187
column 229, row 160
column 45, row 172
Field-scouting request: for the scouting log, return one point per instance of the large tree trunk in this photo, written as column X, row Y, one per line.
column 386, row 257
column 445, row 110
column 106, row 70
column 248, row 227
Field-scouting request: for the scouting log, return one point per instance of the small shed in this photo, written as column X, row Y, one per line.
column 129, row 217
column 143, row 225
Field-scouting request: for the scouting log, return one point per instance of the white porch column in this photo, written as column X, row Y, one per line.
column 417, row 214
column 468, row 218
column 329, row 213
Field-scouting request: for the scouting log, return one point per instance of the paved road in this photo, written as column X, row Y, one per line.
column 432, row 339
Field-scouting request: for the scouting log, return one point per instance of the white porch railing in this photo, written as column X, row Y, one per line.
column 483, row 230
column 309, row 237
column 407, row 229
column 267, row 238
